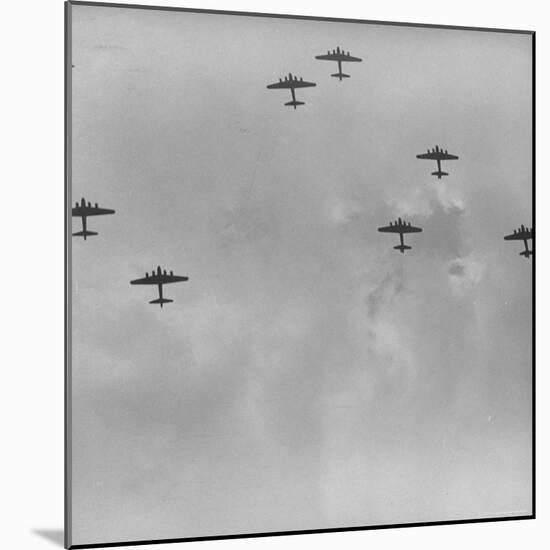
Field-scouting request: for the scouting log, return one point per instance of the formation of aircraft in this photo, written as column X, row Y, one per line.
column 340, row 56
column 159, row 278
column 85, row 210
column 400, row 226
column 291, row 82
column 522, row 234
column 438, row 155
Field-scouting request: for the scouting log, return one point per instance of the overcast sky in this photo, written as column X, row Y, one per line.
column 308, row 375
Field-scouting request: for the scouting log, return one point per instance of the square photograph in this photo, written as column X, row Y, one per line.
column 300, row 266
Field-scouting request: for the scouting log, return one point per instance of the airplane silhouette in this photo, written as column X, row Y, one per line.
column 438, row 155
column 401, row 227
column 83, row 211
column 522, row 234
column 339, row 56
column 159, row 278
column 291, row 82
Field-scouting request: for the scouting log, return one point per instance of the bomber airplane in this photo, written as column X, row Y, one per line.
column 159, row 278
column 83, row 211
column 401, row 227
column 522, row 234
column 340, row 56
column 438, row 155
column 291, row 82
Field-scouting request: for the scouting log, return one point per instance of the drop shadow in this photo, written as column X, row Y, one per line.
column 57, row 536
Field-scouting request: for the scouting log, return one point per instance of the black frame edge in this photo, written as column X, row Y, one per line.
column 67, row 500
column 291, row 16
column 301, row 532
column 534, row 285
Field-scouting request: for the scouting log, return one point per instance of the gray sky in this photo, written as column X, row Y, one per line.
column 308, row 375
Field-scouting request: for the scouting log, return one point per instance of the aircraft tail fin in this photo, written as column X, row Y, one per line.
column 295, row 103
column 402, row 248
column 439, row 174
column 84, row 234
column 340, row 75
column 161, row 301
column 526, row 253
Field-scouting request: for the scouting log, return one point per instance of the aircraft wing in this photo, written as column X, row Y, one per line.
column 79, row 211
column 391, row 229
column 350, row 58
column 288, row 84
column 519, row 236
column 156, row 279
column 399, row 229
column 429, row 156
column 328, row 57
column 448, row 156
column 410, row 229
column 437, row 156
column 337, row 57
column 284, row 84
column 152, row 280
column 98, row 211
column 303, row 84
column 91, row 211
column 166, row 279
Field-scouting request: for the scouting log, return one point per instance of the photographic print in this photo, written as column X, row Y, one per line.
column 300, row 266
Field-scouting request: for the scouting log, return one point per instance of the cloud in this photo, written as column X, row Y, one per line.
column 247, row 226
column 343, row 211
column 456, row 268
column 384, row 292
column 423, row 200
column 465, row 273
column 443, row 235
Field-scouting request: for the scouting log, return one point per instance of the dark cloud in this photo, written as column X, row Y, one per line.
column 457, row 268
column 443, row 235
column 248, row 225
